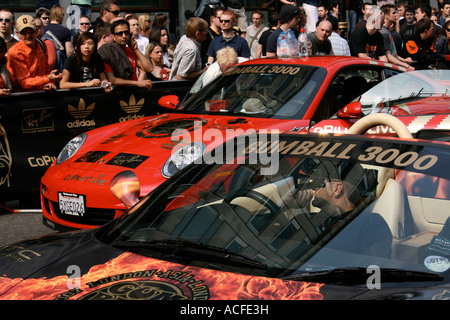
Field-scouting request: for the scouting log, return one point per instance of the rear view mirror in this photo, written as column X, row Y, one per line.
column 351, row 111
column 169, row 102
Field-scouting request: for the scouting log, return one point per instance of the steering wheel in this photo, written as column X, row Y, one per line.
column 371, row 120
column 258, row 197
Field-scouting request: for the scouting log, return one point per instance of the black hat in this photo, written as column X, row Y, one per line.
column 288, row 12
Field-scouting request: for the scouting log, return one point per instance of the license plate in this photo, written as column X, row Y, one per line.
column 72, row 204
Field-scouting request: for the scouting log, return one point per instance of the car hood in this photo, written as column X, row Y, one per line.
column 145, row 145
column 77, row 266
column 153, row 139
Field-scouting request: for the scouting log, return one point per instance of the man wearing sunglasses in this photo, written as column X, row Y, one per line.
column 27, row 60
column 228, row 38
column 6, row 27
column 109, row 9
column 125, row 65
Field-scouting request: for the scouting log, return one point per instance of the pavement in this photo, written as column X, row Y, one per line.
column 16, row 227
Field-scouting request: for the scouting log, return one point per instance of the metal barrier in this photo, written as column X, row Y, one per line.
column 35, row 126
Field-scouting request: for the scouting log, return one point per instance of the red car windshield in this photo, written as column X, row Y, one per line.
column 264, row 91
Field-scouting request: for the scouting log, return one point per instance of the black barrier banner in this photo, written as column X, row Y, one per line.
column 34, row 127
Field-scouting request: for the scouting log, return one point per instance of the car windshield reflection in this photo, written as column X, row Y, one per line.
column 389, row 95
column 268, row 91
column 324, row 204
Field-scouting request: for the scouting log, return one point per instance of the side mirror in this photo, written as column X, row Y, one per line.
column 169, row 102
column 351, row 110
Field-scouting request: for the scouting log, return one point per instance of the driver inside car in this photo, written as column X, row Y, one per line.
column 336, row 191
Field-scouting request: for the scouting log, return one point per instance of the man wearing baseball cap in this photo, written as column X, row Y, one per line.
column 290, row 17
column 27, row 60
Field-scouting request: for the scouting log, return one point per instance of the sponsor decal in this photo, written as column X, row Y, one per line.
column 95, row 180
column 155, row 279
column 389, row 155
column 177, row 285
column 92, row 156
column 38, row 120
column 291, row 70
column 127, row 160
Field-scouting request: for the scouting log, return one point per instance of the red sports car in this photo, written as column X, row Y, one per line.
column 134, row 157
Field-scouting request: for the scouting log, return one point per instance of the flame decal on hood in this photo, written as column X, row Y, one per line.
column 147, row 278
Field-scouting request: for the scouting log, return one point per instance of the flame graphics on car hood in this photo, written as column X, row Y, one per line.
column 134, row 277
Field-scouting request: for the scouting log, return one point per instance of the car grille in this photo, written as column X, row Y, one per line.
column 93, row 216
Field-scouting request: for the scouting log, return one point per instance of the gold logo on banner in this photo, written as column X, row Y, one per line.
column 5, row 157
column 131, row 108
column 81, row 112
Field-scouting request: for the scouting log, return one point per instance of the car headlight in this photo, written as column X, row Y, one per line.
column 182, row 158
column 71, row 148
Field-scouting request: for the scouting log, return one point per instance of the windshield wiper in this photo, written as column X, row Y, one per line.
column 354, row 276
column 196, row 250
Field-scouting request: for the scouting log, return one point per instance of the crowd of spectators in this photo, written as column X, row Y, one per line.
column 37, row 52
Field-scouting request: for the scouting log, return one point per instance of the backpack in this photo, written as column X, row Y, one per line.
column 61, row 56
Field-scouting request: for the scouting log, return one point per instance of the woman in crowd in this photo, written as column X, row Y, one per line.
column 155, row 54
column 86, row 67
column 160, row 35
column 442, row 47
column 144, row 25
column 5, row 83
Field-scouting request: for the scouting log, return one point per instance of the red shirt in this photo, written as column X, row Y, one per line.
column 28, row 67
column 132, row 57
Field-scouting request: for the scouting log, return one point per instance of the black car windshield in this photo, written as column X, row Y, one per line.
column 263, row 91
column 300, row 203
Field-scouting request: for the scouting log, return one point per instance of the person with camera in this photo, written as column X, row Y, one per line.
column 86, row 67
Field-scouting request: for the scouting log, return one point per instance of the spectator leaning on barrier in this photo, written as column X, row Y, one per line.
column 125, row 65
column 155, row 54
column 187, row 62
column 5, row 83
column 7, row 27
column 86, row 67
column 27, row 61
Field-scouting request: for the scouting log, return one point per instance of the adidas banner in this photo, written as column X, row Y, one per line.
column 35, row 126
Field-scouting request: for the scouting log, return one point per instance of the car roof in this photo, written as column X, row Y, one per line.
column 322, row 61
